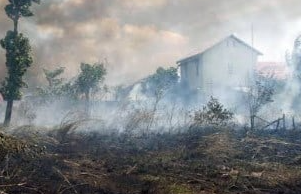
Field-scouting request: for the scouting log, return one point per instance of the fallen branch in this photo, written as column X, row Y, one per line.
column 12, row 185
column 33, row 189
column 72, row 187
column 66, row 179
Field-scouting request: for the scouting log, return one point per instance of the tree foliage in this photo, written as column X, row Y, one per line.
column 160, row 82
column 19, row 8
column 55, row 83
column 18, row 59
column 86, row 83
column 213, row 113
column 16, row 9
column 52, row 76
column 260, row 94
column 18, row 54
column 90, row 77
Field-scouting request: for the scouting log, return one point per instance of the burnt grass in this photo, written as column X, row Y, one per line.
column 200, row 160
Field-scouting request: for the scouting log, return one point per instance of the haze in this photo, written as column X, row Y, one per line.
column 135, row 37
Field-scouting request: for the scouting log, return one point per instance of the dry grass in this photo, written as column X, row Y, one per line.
column 196, row 161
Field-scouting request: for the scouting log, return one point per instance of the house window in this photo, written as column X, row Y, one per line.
column 230, row 69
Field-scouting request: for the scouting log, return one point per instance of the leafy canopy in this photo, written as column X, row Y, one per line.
column 55, row 83
column 52, row 76
column 213, row 113
column 18, row 59
column 90, row 77
column 161, row 81
column 19, row 8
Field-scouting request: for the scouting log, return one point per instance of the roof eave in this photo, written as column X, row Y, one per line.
column 246, row 44
column 204, row 51
column 188, row 58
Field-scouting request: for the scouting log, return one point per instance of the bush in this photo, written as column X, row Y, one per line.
column 213, row 113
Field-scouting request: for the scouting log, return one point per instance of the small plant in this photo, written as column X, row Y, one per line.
column 213, row 113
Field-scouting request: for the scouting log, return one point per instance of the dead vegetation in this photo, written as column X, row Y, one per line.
column 200, row 160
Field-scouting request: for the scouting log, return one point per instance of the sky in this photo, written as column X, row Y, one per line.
column 135, row 37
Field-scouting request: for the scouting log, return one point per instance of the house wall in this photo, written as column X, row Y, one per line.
column 221, row 68
column 192, row 73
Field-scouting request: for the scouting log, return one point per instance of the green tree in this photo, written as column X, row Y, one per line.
column 18, row 54
column 55, row 83
column 89, row 79
column 52, row 76
column 161, row 81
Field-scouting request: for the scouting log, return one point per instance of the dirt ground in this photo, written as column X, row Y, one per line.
column 198, row 161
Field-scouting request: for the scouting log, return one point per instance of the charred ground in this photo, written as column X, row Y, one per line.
column 199, row 160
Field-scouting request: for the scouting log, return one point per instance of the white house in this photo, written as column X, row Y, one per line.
column 219, row 69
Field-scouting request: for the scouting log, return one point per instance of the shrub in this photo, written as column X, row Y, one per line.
column 213, row 113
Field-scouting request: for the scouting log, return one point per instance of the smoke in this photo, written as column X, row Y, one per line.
column 136, row 37
column 65, row 33
column 288, row 99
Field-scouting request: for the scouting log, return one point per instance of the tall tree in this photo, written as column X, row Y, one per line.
column 18, row 54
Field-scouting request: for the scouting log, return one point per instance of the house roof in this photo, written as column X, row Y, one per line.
column 208, row 48
column 277, row 69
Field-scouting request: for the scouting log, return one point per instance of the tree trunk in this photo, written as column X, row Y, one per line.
column 252, row 118
column 284, row 125
column 8, row 113
column 87, row 105
column 16, row 26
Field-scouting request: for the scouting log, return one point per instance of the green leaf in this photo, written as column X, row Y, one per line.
column 26, row 13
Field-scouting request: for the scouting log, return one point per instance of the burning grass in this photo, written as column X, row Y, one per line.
column 199, row 160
